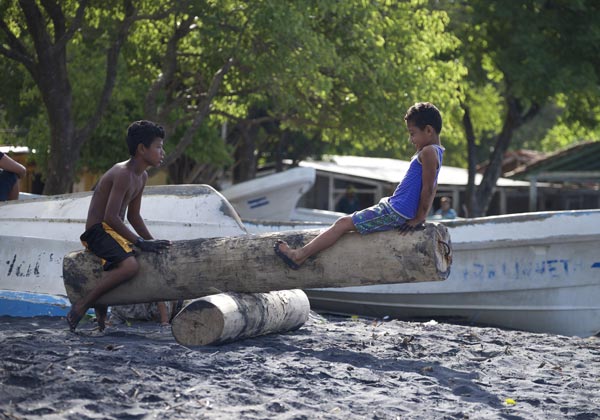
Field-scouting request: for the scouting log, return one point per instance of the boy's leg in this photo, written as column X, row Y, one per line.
column 9, row 183
column 377, row 218
column 125, row 270
column 14, row 192
column 323, row 241
column 101, row 314
column 163, row 313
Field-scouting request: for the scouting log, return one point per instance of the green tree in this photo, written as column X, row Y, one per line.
column 338, row 73
column 521, row 57
column 37, row 37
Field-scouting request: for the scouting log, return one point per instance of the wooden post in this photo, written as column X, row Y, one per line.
column 227, row 317
column 248, row 264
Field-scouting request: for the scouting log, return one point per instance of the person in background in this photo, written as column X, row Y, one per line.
column 10, row 173
column 445, row 211
column 349, row 202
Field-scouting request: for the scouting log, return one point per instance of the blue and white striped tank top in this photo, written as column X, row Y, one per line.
column 405, row 199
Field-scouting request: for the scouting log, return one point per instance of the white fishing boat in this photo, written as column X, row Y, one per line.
column 537, row 272
column 271, row 197
column 36, row 233
column 532, row 271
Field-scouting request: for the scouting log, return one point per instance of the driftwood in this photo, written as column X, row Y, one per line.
column 227, row 317
column 248, row 264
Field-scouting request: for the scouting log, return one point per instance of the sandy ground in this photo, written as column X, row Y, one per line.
column 331, row 368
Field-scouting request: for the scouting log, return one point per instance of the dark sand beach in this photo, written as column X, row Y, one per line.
column 331, row 368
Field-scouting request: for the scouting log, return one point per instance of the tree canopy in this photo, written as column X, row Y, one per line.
column 236, row 83
column 340, row 72
column 522, row 58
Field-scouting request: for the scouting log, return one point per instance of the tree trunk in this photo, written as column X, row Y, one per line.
column 487, row 187
column 64, row 146
column 51, row 76
column 47, row 65
column 227, row 317
column 245, row 168
column 472, row 207
column 248, row 264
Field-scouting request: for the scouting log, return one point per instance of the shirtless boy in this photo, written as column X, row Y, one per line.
column 119, row 191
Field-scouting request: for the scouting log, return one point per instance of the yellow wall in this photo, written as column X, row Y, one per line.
column 84, row 182
column 88, row 179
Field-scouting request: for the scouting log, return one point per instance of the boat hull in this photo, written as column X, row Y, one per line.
column 536, row 272
column 36, row 234
column 271, row 197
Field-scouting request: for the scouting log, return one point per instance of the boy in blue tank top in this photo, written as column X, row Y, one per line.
column 407, row 208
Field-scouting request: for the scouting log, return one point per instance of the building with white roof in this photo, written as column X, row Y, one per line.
column 374, row 178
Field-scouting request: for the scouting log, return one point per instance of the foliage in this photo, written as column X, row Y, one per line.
column 312, row 77
column 541, row 52
column 523, row 58
column 341, row 72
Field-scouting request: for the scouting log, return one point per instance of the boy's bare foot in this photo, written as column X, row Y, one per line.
column 73, row 318
column 282, row 250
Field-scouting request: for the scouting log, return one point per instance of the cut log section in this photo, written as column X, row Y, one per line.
column 248, row 264
column 227, row 317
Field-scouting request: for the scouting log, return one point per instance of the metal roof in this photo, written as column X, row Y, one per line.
column 578, row 162
column 393, row 170
column 14, row 149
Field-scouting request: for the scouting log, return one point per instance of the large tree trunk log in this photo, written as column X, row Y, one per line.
column 248, row 264
column 228, row 317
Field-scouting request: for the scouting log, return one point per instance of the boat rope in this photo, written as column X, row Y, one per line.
column 447, row 248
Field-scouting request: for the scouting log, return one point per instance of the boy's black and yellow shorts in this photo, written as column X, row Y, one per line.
column 107, row 244
column 7, row 180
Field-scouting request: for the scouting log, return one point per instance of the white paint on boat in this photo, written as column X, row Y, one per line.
column 535, row 271
column 271, row 197
column 36, row 234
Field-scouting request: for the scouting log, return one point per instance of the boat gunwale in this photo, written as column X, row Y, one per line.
column 545, row 241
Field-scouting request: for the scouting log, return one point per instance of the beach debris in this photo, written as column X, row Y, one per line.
column 247, row 264
column 510, row 401
column 407, row 340
column 48, row 368
column 227, row 317
column 112, row 347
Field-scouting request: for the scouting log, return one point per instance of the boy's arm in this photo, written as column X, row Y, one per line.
column 135, row 218
column 145, row 241
column 116, row 196
column 429, row 161
column 10, row 165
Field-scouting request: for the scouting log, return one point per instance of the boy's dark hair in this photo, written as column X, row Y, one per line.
column 422, row 114
column 143, row 132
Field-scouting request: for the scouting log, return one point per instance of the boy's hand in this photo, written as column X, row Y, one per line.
column 152, row 245
column 411, row 225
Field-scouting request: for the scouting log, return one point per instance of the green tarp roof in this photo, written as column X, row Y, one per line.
column 578, row 162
